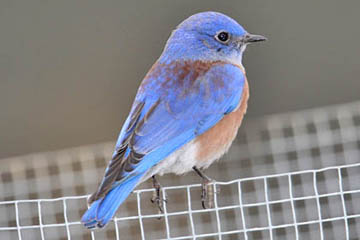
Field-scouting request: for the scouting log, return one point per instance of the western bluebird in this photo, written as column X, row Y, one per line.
column 185, row 115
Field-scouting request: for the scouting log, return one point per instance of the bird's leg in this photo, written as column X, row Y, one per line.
column 157, row 196
column 207, row 191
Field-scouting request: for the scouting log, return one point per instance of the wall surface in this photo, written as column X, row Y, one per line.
column 69, row 69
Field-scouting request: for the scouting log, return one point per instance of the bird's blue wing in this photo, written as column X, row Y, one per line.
column 175, row 103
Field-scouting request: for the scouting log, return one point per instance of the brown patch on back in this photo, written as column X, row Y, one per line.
column 177, row 72
column 219, row 138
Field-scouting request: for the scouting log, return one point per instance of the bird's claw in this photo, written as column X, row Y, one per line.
column 159, row 201
column 207, row 189
column 158, row 196
column 207, row 193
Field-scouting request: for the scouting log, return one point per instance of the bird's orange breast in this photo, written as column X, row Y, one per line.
column 217, row 140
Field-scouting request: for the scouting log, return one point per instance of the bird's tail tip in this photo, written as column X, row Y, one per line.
column 90, row 220
column 103, row 210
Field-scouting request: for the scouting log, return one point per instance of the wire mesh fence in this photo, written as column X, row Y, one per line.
column 283, row 213
column 297, row 176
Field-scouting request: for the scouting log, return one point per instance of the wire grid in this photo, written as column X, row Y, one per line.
column 244, row 229
column 297, row 178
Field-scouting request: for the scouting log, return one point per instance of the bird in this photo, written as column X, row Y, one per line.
column 185, row 115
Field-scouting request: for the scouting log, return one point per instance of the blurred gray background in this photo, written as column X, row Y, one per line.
column 69, row 69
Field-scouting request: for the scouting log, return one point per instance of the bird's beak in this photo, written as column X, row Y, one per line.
column 251, row 38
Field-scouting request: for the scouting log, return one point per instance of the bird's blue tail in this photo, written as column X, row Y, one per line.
column 102, row 210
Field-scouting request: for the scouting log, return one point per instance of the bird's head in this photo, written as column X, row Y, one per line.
column 208, row 36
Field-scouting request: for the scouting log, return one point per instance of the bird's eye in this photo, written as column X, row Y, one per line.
column 222, row 37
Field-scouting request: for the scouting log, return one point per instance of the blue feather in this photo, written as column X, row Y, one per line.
column 102, row 210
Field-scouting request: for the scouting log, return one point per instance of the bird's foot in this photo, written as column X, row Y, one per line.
column 158, row 196
column 207, row 189
column 207, row 194
column 159, row 201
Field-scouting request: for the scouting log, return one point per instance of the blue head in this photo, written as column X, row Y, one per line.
column 208, row 36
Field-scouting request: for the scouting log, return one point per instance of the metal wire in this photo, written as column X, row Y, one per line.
column 190, row 211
